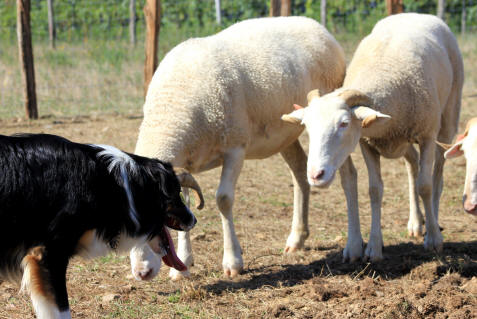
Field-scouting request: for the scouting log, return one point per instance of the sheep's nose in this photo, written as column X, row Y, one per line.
column 318, row 175
column 469, row 207
column 145, row 274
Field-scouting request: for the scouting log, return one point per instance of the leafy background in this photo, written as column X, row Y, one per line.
column 83, row 19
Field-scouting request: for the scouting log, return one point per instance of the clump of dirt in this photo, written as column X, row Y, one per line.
column 281, row 311
column 320, row 290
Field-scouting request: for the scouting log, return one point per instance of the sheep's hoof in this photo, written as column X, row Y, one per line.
column 176, row 275
column 353, row 251
column 295, row 241
column 415, row 230
column 291, row 249
column 231, row 272
column 434, row 243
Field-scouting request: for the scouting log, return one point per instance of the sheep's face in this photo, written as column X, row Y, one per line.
column 334, row 134
column 466, row 145
column 334, row 128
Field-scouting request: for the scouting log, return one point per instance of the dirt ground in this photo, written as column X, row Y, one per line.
column 312, row 283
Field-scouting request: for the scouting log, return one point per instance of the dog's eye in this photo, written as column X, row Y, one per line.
column 344, row 124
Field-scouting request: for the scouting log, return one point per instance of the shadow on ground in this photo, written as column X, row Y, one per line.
column 400, row 260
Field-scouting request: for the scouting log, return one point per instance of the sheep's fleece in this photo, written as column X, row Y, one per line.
column 218, row 100
column 230, row 89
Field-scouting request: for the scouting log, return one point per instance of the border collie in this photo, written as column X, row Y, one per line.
column 59, row 199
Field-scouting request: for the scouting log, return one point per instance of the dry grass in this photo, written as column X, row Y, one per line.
column 313, row 283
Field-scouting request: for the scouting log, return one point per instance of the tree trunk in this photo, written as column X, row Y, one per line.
column 441, row 9
column 218, row 13
column 323, row 12
column 152, row 12
column 463, row 20
column 132, row 22
column 394, row 6
column 285, row 8
column 275, row 8
column 26, row 57
column 51, row 24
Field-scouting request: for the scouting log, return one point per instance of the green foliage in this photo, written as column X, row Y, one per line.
column 109, row 19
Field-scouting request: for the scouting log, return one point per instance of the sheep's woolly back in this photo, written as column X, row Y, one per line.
column 410, row 65
column 230, row 89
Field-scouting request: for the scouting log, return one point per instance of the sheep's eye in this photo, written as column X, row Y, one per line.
column 344, row 124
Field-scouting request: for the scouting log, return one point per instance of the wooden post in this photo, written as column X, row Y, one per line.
column 441, row 9
column 323, row 12
column 26, row 57
column 132, row 22
column 394, row 6
column 218, row 13
column 152, row 12
column 51, row 24
column 285, row 8
column 275, row 8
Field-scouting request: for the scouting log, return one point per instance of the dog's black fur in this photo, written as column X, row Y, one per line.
column 52, row 191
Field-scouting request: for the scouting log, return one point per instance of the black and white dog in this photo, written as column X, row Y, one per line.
column 59, row 199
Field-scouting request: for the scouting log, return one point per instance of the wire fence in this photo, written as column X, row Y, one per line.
column 88, row 74
column 109, row 19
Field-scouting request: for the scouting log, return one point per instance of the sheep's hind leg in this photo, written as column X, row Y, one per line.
column 295, row 157
column 433, row 239
column 416, row 220
column 184, row 247
column 449, row 126
column 233, row 161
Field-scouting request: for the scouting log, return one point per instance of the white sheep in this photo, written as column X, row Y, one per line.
column 218, row 100
column 403, row 86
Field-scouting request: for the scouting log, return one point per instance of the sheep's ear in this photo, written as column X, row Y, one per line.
column 455, row 150
column 368, row 116
column 313, row 94
column 295, row 117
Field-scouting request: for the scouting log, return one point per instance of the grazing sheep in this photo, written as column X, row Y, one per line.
column 216, row 101
column 403, row 86
column 466, row 144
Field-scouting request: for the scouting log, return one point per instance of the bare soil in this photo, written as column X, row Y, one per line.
column 312, row 283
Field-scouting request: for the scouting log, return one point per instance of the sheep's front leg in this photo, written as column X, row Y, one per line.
column 374, row 249
column 433, row 239
column 233, row 161
column 184, row 247
column 296, row 160
column 349, row 182
column 414, row 225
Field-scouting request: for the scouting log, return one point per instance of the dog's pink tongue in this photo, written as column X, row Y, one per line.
column 171, row 259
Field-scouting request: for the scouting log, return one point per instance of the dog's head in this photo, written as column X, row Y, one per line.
column 160, row 206
column 154, row 200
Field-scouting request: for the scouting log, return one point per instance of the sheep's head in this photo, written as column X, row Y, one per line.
column 466, row 144
column 334, row 123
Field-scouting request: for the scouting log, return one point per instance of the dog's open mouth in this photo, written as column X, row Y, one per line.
column 165, row 248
